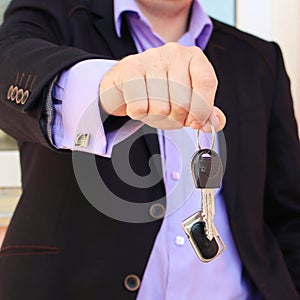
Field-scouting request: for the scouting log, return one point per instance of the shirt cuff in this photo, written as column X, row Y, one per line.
column 77, row 124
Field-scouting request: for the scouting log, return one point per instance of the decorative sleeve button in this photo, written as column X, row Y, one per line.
column 9, row 93
column 18, row 95
column 157, row 211
column 132, row 282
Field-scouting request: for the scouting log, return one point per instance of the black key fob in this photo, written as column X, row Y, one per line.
column 206, row 250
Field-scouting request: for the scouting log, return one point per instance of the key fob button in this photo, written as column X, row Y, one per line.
column 209, row 249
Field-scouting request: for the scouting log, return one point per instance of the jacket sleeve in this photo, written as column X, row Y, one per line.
column 34, row 49
column 282, row 192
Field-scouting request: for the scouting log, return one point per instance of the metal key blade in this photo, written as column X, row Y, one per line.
column 208, row 211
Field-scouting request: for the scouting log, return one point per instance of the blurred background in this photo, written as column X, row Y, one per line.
column 276, row 20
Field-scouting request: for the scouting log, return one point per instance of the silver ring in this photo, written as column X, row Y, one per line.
column 213, row 140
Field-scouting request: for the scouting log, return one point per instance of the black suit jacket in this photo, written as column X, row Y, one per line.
column 58, row 246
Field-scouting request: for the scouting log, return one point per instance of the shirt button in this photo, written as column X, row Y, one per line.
column 132, row 282
column 179, row 240
column 175, row 175
column 157, row 211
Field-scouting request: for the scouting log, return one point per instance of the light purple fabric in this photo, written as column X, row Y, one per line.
column 173, row 271
column 78, row 111
column 199, row 31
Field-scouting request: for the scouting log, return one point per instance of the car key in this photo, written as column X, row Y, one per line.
column 207, row 171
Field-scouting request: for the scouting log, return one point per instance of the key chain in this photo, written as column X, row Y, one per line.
column 207, row 172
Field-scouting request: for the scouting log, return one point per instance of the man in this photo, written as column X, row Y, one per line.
column 56, row 57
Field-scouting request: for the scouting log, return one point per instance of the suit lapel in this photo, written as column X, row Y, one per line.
column 227, row 100
column 103, row 12
column 121, row 47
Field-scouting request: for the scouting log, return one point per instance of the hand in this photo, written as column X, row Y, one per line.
column 166, row 87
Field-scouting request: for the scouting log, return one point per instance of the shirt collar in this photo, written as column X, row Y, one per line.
column 199, row 22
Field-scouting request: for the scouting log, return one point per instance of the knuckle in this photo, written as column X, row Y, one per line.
column 136, row 110
column 127, row 60
column 174, row 49
column 132, row 62
column 173, row 46
column 162, row 109
column 181, row 112
column 154, row 60
column 151, row 53
column 195, row 50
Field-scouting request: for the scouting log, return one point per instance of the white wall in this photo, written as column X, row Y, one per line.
column 10, row 174
column 223, row 10
column 277, row 20
column 3, row 5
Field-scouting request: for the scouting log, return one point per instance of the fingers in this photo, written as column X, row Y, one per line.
column 179, row 89
column 166, row 87
column 157, row 85
column 135, row 97
column 111, row 96
column 147, row 95
column 203, row 84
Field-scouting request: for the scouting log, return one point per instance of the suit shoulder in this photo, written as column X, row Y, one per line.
column 239, row 36
column 245, row 44
column 54, row 7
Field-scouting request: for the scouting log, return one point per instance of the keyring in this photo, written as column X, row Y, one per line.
column 213, row 140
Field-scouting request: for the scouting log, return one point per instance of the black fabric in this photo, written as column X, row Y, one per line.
column 58, row 245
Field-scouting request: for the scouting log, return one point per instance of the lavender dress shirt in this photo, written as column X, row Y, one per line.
column 173, row 271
